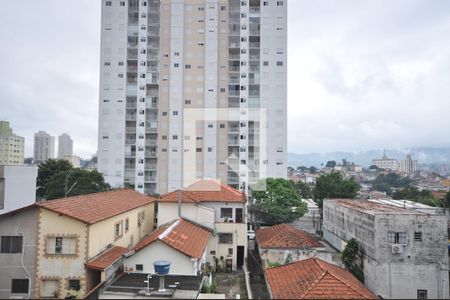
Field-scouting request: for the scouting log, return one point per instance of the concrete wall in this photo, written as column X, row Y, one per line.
column 280, row 256
column 181, row 264
column 57, row 266
column 168, row 212
column 22, row 223
column 102, row 234
column 19, row 187
column 421, row 265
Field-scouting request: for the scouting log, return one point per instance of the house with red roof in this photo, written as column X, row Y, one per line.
column 183, row 243
column 218, row 207
column 283, row 243
column 314, row 278
column 81, row 240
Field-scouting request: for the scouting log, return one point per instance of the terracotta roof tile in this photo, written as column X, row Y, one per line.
column 106, row 259
column 206, row 191
column 93, row 208
column 284, row 236
column 182, row 235
column 315, row 279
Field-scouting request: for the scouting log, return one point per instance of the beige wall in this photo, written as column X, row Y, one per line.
column 57, row 266
column 280, row 256
column 102, row 234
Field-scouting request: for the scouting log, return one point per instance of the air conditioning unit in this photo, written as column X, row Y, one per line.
column 397, row 249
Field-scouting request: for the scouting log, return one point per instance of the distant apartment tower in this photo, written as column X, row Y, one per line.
column 408, row 165
column 11, row 146
column 65, row 146
column 44, row 147
column 386, row 163
column 160, row 60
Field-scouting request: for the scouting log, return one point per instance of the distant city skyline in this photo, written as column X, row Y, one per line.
column 362, row 75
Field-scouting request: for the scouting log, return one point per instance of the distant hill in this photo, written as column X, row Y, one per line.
column 424, row 155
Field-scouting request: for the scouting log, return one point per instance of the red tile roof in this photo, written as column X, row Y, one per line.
column 182, row 235
column 314, row 279
column 284, row 236
column 206, row 191
column 106, row 259
column 93, row 208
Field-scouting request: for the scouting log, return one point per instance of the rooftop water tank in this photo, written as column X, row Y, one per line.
column 162, row 267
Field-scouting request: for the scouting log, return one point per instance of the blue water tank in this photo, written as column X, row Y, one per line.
column 162, row 267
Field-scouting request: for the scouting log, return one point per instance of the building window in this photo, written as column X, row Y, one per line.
column 74, row 284
column 141, row 217
column 61, row 246
column 212, row 252
column 230, row 251
column 418, row 236
column 279, row 3
column 225, row 238
column 49, row 289
column 127, row 224
column 422, row 294
column 122, row 3
column 226, row 212
column 199, row 150
column 19, row 286
column 11, row 244
column 108, row 3
column 397, row 237
column 140, row 268
column 118, row 230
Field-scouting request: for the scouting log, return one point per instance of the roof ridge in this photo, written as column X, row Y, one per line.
column 90, row 194
column 276, row 235
column 230, row 189
column 313, row 285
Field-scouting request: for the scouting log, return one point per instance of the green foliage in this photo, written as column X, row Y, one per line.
column 288, row 259
column 333, row 185
column 87, row 182
column 385, row 183
column 46, row 171
column 331, row 164
column 412, row 193
column 303, row 189
column 209, row 289
column 447, row 200
column 312, row 170
column 274, row 264
column 302, row 169
column 278, row 203
column 373, row 167
column 352, row 259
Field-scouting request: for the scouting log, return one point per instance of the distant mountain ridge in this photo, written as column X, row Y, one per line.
column 424, row 155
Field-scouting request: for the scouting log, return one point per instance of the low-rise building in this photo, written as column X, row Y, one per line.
column 215, row 206
column 17, row 187
column 182, row 243
column 18, row 252
column 282, row 244
column 74, row 234
column 405, row 251
column 314, row 279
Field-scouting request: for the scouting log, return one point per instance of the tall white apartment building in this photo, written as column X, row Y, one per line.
column 44, row 146
column 192, row 89
column 65, row 146
column 408, row 165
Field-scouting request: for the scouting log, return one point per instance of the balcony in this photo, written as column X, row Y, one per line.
column 150, row 167
column 255, row 45
column 151, row 179
column 233, row 93
column 151, row 143
column 130, row 117
column 130, row 142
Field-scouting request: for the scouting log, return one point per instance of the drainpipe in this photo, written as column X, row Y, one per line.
column 180, row 195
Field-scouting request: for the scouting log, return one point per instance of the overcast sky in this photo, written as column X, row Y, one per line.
column 362, row 74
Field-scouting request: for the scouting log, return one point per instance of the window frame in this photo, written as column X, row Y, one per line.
column 228, row 240
column 70, row 288
column 224, row 215
column 22, row 280
column 14, row 244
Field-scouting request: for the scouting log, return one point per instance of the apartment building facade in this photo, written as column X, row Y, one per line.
column 44, row 147
column 65, row 146
column 192, row 89
column 11, row 146
column 405, row 251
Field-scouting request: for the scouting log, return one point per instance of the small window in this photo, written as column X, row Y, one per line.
column 397, row 237
column 188, row 66
column 279, row 63
column 279, row 3
column 140, row 268
column 19, row 286
column 118, row 230
column 108, row 3
column 122, row 3
column 222, row 126
column 212, row 252
column 226, row 212
column 74, row 284
column 225, row 238
column 11, row 244
column 422, row 294
column 58, row 245
column 199, row 150
column 418, row 236
column 230, row 251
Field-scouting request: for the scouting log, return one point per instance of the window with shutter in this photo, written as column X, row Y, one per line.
column 11, row 244
column 19, row 286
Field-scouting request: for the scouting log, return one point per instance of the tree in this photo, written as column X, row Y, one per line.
column 373, row 167
column 413, row 194
column 330, row 164
column 333, row 185
column 352, row 259
column 312, row 170
column 278, row 203
column 385, row 183
column 79, row 182
column 46, row 171
column 303, row 189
